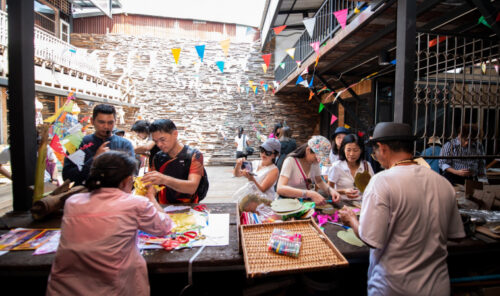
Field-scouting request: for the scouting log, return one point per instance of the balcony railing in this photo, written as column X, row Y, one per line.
column 325, row 28
column 63, row 66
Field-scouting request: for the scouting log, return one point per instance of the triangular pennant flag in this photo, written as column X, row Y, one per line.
column 393, row 62
column 341, row 16
column 247, row 89
column 361, row 134
column 266, row 87
column 261, row 124
column 220, row 65
column 496, row 68
column 315, row 46
column 317, row 61
column 282, row 65
column 262, row 82
column 483, row 21
column 306, row 71
column 356, row 10
column 298, row 63
column 309, row 24
column 250, row 83
column 291, row 52
column 311, row 82
column 176, row 52
column 334, row 118
column 254, row 89
column 483, row 67
column 267, row 59
column 279, row 29
column 70, row 147
column 347, row 126
column 68, row 106
column 225, row 45
column 264, row 67
column 321, row 107
column 250, row 30
column 311, row 94
column 299, row 80
column 77, row 158
column 304, row 83
column 200, row 49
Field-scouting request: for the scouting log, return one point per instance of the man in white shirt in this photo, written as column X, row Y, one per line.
column 408, row 214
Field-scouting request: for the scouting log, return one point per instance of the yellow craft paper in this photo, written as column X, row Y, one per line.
column 70, row 147
column 68, row 107
column 183, row 221
column 225, row 45
column 53, row 118
column 176, row 52
column 349, row 237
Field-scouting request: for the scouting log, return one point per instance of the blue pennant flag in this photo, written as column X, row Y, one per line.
column 299, row 80
column 247, row 89
column 393, row 62
column 266, row 86
column 311, row 83
column 201, row 51
column 220, row 64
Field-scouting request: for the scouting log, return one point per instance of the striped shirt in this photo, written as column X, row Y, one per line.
column 454, row 148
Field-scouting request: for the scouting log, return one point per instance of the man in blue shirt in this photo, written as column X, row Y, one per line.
column 102, row 140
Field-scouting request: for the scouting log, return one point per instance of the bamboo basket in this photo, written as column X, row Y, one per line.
column 317, row 251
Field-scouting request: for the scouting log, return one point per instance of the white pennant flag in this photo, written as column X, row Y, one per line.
column 310, row 23
column 78, row 158
column 291, row 52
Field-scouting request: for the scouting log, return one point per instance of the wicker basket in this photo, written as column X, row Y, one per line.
column 317, row 251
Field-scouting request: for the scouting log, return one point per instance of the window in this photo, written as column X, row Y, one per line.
column 64, row 31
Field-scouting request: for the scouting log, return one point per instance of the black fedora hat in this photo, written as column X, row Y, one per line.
column 391, row 131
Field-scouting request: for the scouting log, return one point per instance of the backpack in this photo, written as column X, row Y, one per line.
column 162, row 161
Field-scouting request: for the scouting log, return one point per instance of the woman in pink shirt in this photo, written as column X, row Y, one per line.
column 97, row 253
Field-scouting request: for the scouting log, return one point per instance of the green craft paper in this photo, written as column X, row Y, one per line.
column 349, row 237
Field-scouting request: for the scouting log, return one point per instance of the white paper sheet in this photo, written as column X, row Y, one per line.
column 217, row 231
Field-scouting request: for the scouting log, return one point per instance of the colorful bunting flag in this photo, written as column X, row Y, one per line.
column 200, row 49
column 317, row 61
column 291, row 52
column 311, row 82
column 261, row 124
column 306, row 71
column 299, row 80
column 483, row 67
column 262, row 82
column 311, row 94
column 282, row 65
column 70, row 147
column 360, row 134
column 356, row 10
column 309, row 24
column 254, row 89
column 393, row 62
column 298, row 63
column 77, row 158
column 496, row 68
column 264, row 68
column 225, row 45
column 321, row 107
column 315, row 46
column 334, row 118
column 247, row 89
column 341, row 16
column 267, row 59
column 347, row 126
column 435, row 41
column 176, row 52
column 279, row 29
column 266, row 87
column 304, row 83
column 220, row 65
column 483, row 21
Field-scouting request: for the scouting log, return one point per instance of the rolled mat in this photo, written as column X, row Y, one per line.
column 52, row 203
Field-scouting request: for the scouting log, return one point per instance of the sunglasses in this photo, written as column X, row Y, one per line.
column 267, row 153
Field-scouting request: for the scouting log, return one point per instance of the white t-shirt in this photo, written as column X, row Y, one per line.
column 241, row 145
column 340, row 174
column 295, row 178
column 261, row 175
column 408, row 214
column 325, row 170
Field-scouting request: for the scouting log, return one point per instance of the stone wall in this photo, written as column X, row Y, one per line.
column 206, row 105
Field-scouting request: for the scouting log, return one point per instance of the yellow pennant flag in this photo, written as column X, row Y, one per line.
column 347, row 126
column 264, row 67
column 176, row 52
column 356, row 10
column 291, row 52
column 254, row 88
column 250, row 83
column 225, row 45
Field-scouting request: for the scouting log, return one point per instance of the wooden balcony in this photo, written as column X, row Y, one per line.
column 61, row 68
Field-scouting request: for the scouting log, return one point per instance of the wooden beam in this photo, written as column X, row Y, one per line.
column 21, row 102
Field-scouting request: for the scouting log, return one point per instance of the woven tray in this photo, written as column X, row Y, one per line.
column 317, row 251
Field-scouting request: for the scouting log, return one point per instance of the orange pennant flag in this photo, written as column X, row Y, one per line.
column 317, row 60
column 311, row 94
column 56, row 146
column 225, row 45
column 279, row 29
column 267, row 59
column 176, row 52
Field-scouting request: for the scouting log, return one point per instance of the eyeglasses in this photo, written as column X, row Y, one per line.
column 268, row 153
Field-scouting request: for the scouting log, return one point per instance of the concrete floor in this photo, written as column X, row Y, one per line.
column 222, row 187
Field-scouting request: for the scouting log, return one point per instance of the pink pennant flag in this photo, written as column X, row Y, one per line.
column 341, row 16
column 278, row 30
column 496, row 68
column 267, row 59
column 334, row 118
column 315, row 46
column 298, row 63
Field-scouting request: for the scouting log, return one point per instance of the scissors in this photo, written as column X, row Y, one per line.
column 200, row 208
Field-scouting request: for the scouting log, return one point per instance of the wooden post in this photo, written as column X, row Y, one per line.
column 21, row 102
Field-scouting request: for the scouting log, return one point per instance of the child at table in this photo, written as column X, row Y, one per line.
column 97, row 253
